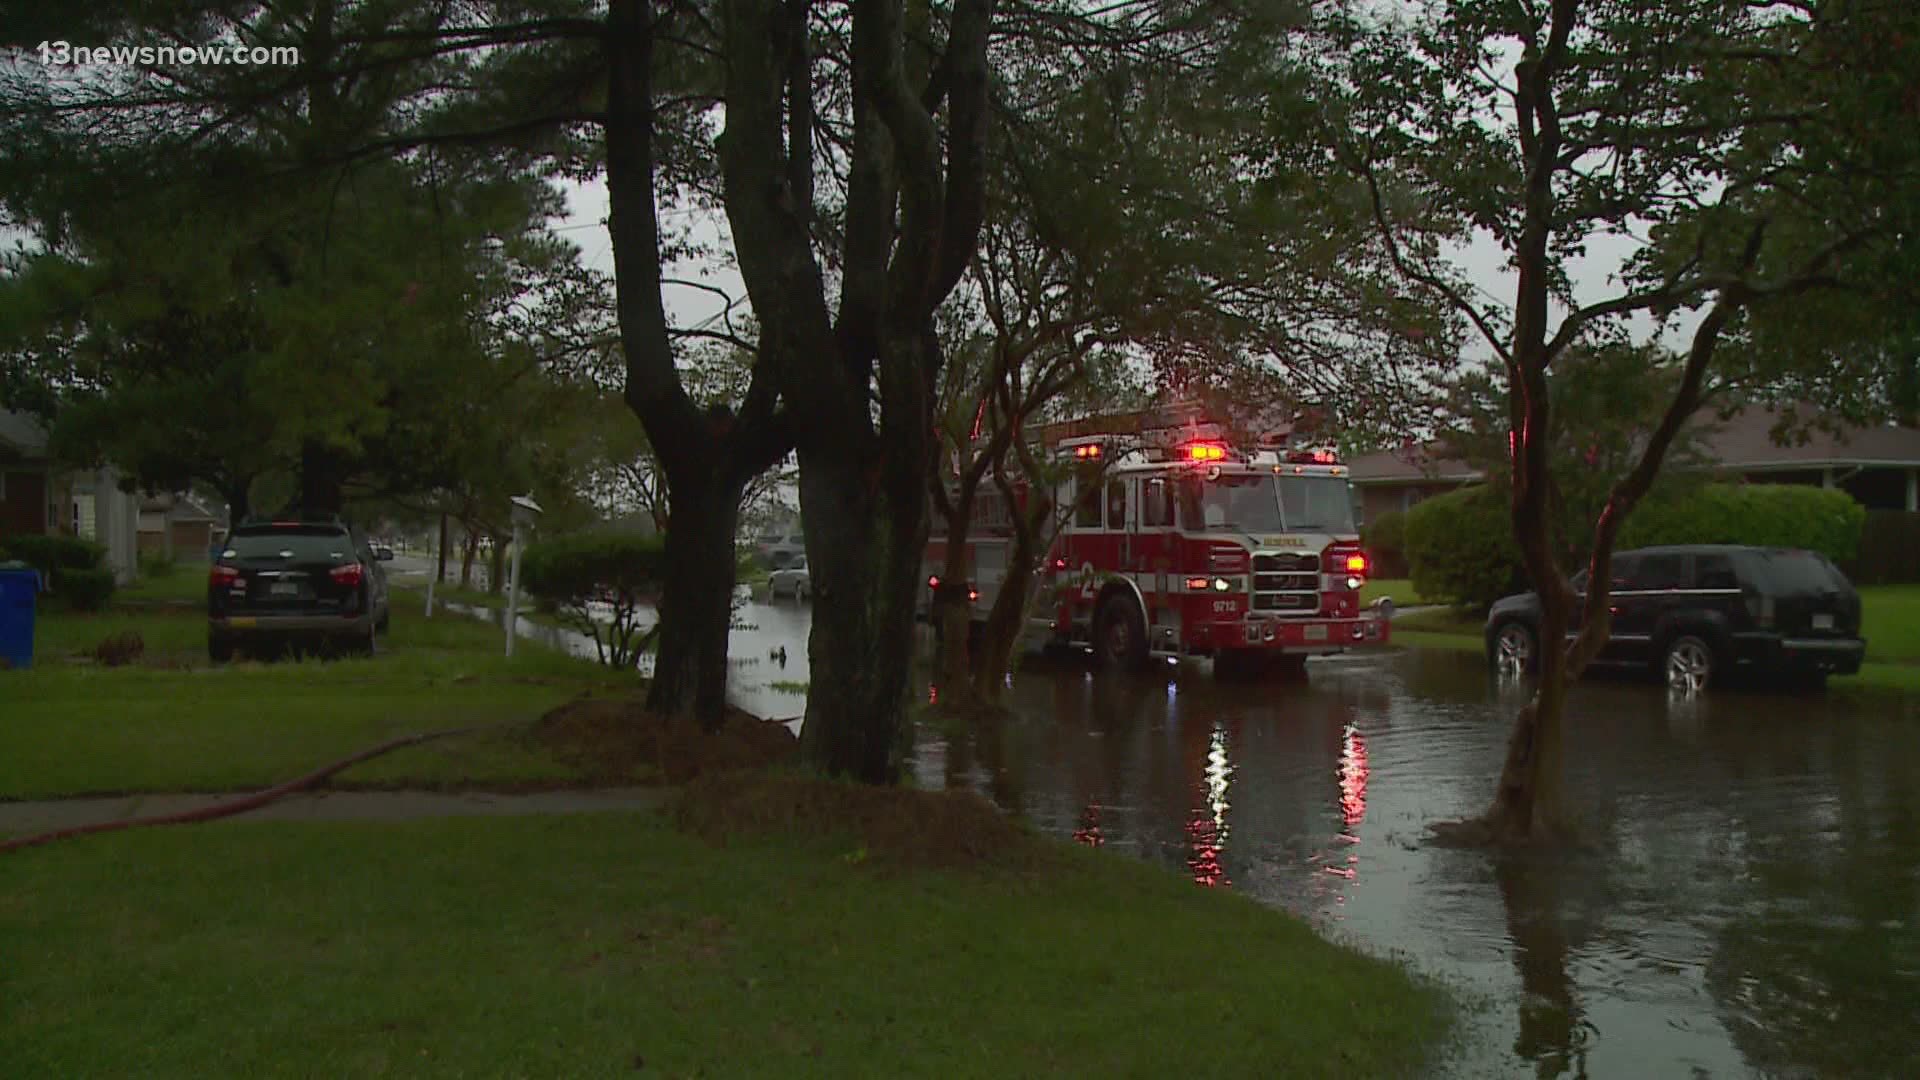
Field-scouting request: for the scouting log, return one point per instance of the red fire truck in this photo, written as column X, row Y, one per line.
column 1182, row 542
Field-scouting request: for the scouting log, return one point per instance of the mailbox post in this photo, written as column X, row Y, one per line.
column 525, row 510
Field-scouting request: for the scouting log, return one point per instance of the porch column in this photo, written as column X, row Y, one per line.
column 1913, row 490
column 1826, row 477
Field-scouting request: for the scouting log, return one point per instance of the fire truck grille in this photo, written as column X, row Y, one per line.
column 1290, row 603
column 1287, row 584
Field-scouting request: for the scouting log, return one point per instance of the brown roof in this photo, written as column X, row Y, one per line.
column 1744, row 442
column 1409, row 466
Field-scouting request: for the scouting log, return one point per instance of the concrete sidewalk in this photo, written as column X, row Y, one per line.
column 23, row 818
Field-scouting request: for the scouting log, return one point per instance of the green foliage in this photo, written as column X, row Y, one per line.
column 1767, row 515
column 156, row 564
column 52, row 554
column 84, row 590
column 621, row 570
column 1385, row 538
column 1460, row 547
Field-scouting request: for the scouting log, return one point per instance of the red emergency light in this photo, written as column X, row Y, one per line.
column 1089, row 451
column 1206, row 452
column 1356, row 563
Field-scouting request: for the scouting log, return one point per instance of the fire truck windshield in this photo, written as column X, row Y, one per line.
column 1259, row 502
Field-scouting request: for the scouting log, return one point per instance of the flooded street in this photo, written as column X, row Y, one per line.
column 1749, row 909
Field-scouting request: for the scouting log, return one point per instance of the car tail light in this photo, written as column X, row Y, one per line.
column 933, row 582
column 223, row 577
column 972, row 595
column 350, row 574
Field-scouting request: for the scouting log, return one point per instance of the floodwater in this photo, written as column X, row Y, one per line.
column 1750, row 907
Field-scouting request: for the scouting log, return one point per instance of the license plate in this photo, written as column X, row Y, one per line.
column 284, row 588
column 1823, row 622
column 1317, row 632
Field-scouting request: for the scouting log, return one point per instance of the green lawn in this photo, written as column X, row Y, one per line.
column 1890, row 621
column 173, row 722
column 601, row 945
column 1400, row 589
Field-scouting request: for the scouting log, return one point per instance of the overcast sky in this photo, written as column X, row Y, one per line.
column 1484, row 262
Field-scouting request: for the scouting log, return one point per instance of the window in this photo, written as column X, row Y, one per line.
column 1316, row 504
column 1660, row 572
column 1156, row 503
column 1714, row 572
column 1086, row 511
column 1624, row 572
column 1116, row 504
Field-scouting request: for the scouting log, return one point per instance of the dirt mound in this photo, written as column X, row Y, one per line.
column 899, row 827
column 618, row 739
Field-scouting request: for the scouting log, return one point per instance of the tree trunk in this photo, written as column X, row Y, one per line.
column 952, row 614
column 238, row 508
column 696, row 606
column 470, row 542
column 496, row 567
column 994, row 662
column 440, row 568
column 321, row 480
column 863, row 551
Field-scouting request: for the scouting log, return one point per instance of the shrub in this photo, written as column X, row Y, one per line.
column 1459, row 547
column 1385, row 538
column 622, row 570
column 85, row 590
column 1767, row 515
column 156, row 564
column 50, row 554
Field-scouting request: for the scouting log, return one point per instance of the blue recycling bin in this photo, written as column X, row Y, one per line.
column 19, row 586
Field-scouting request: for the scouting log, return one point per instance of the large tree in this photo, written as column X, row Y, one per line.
column 1748, row 156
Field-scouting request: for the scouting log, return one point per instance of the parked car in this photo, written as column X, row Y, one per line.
column 792, row 581
column 778, row 549
column 1693, row 614
column 297, row 582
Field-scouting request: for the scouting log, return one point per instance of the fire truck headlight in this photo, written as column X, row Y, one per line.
column 1355, row 583
column 1221, row 584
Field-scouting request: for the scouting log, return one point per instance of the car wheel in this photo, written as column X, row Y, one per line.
column 1120, row 635
column 1688, row 663
column 1515, row 648
column 219, row 649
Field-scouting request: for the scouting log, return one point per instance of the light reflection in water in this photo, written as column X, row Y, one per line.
column 1353, row 776
column 1208, row 829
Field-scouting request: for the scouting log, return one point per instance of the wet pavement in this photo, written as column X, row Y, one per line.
column 1750, row 907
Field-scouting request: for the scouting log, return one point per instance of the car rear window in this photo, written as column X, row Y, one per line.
column 307, row 545
column 1798, row 571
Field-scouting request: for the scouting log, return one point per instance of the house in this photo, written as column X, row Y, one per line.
column 39, row 498
column 1878, row 466
column 177, row 526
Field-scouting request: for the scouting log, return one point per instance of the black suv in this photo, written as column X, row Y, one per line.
column 296, row 582
column 1696, row 612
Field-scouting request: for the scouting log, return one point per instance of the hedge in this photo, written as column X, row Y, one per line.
column 568, row 573
column 1825, row 520
column 1385, row 539
column 1460, row 545
column 71, row 567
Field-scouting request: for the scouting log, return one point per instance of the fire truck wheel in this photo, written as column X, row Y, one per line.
column 1120, row 635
